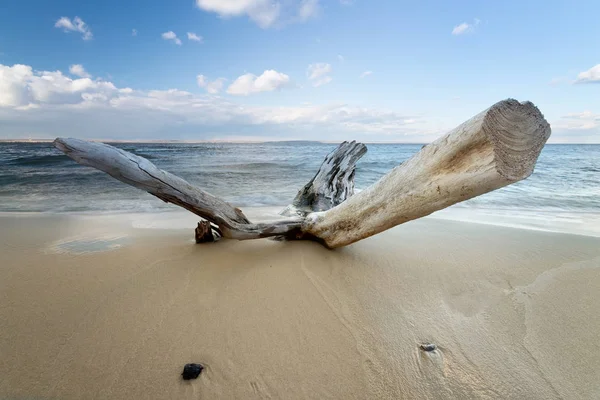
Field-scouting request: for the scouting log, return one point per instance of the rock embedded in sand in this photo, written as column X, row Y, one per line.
column 191, row 371
column 428, row 347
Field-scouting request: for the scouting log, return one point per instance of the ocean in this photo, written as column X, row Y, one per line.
column 562, row 194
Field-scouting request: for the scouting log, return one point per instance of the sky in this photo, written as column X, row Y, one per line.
column 330, row 70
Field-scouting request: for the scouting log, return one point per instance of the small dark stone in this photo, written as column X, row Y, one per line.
column 428, row 347
column 191, row 371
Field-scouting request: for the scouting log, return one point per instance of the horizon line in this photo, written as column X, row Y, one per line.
column 21, row 140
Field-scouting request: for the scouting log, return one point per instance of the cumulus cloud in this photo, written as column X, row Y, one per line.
column 192, row 36
column 592, row 75
column 171, row 36
column 365, row 74
column 318, row 74
column 212, row 87
column 47, row 104
column 466, row 27
column 262, row 12
column 20, row 86
column 78, row 70
column 77, row 25
column 268, row 81
column 308, row 9
column 265, row 13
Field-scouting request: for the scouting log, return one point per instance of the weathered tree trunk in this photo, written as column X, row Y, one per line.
column 141, row 173
column 332, row 184
column 495, row 148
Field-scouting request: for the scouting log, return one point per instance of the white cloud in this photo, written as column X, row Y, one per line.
column 318, row 70
column 592, row 75
column 585, row 120
column 366, row 73
column 460, row 29
column 212, row 87
column 229, row 7
column 77, row 25
column 134, row 32
column 47, row 104
column 78, row 70
column 263, row 12
column 318, row 74
column 269, row 81
column 466, row 27
column 308, row 9
column 322, row 81
column 194, row 37
column 171, row 36
column 21, row 86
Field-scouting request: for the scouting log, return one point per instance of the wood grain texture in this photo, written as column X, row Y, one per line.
column 493, row 149
column 142, row 174
column 332, row 184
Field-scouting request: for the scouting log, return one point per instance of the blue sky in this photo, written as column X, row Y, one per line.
column 393, row 71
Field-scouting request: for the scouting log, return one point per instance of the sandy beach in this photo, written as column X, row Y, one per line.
column 105, row 308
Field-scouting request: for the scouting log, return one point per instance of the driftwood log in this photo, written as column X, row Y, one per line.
column 495, row 148
column 333, row 183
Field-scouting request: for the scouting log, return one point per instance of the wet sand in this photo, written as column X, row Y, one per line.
column 93, row 308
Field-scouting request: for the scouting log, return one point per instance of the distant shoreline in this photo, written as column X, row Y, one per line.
column 201, row 141
column 160, row 141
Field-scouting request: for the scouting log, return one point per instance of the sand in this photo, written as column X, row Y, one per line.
column 93, row 308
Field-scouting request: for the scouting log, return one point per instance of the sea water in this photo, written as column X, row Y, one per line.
column 35, row 177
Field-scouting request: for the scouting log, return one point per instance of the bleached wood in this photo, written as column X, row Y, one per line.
column 332, row 184
column 495, row 148
column 142, row 174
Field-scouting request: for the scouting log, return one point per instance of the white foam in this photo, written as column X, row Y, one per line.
column 579, row 223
